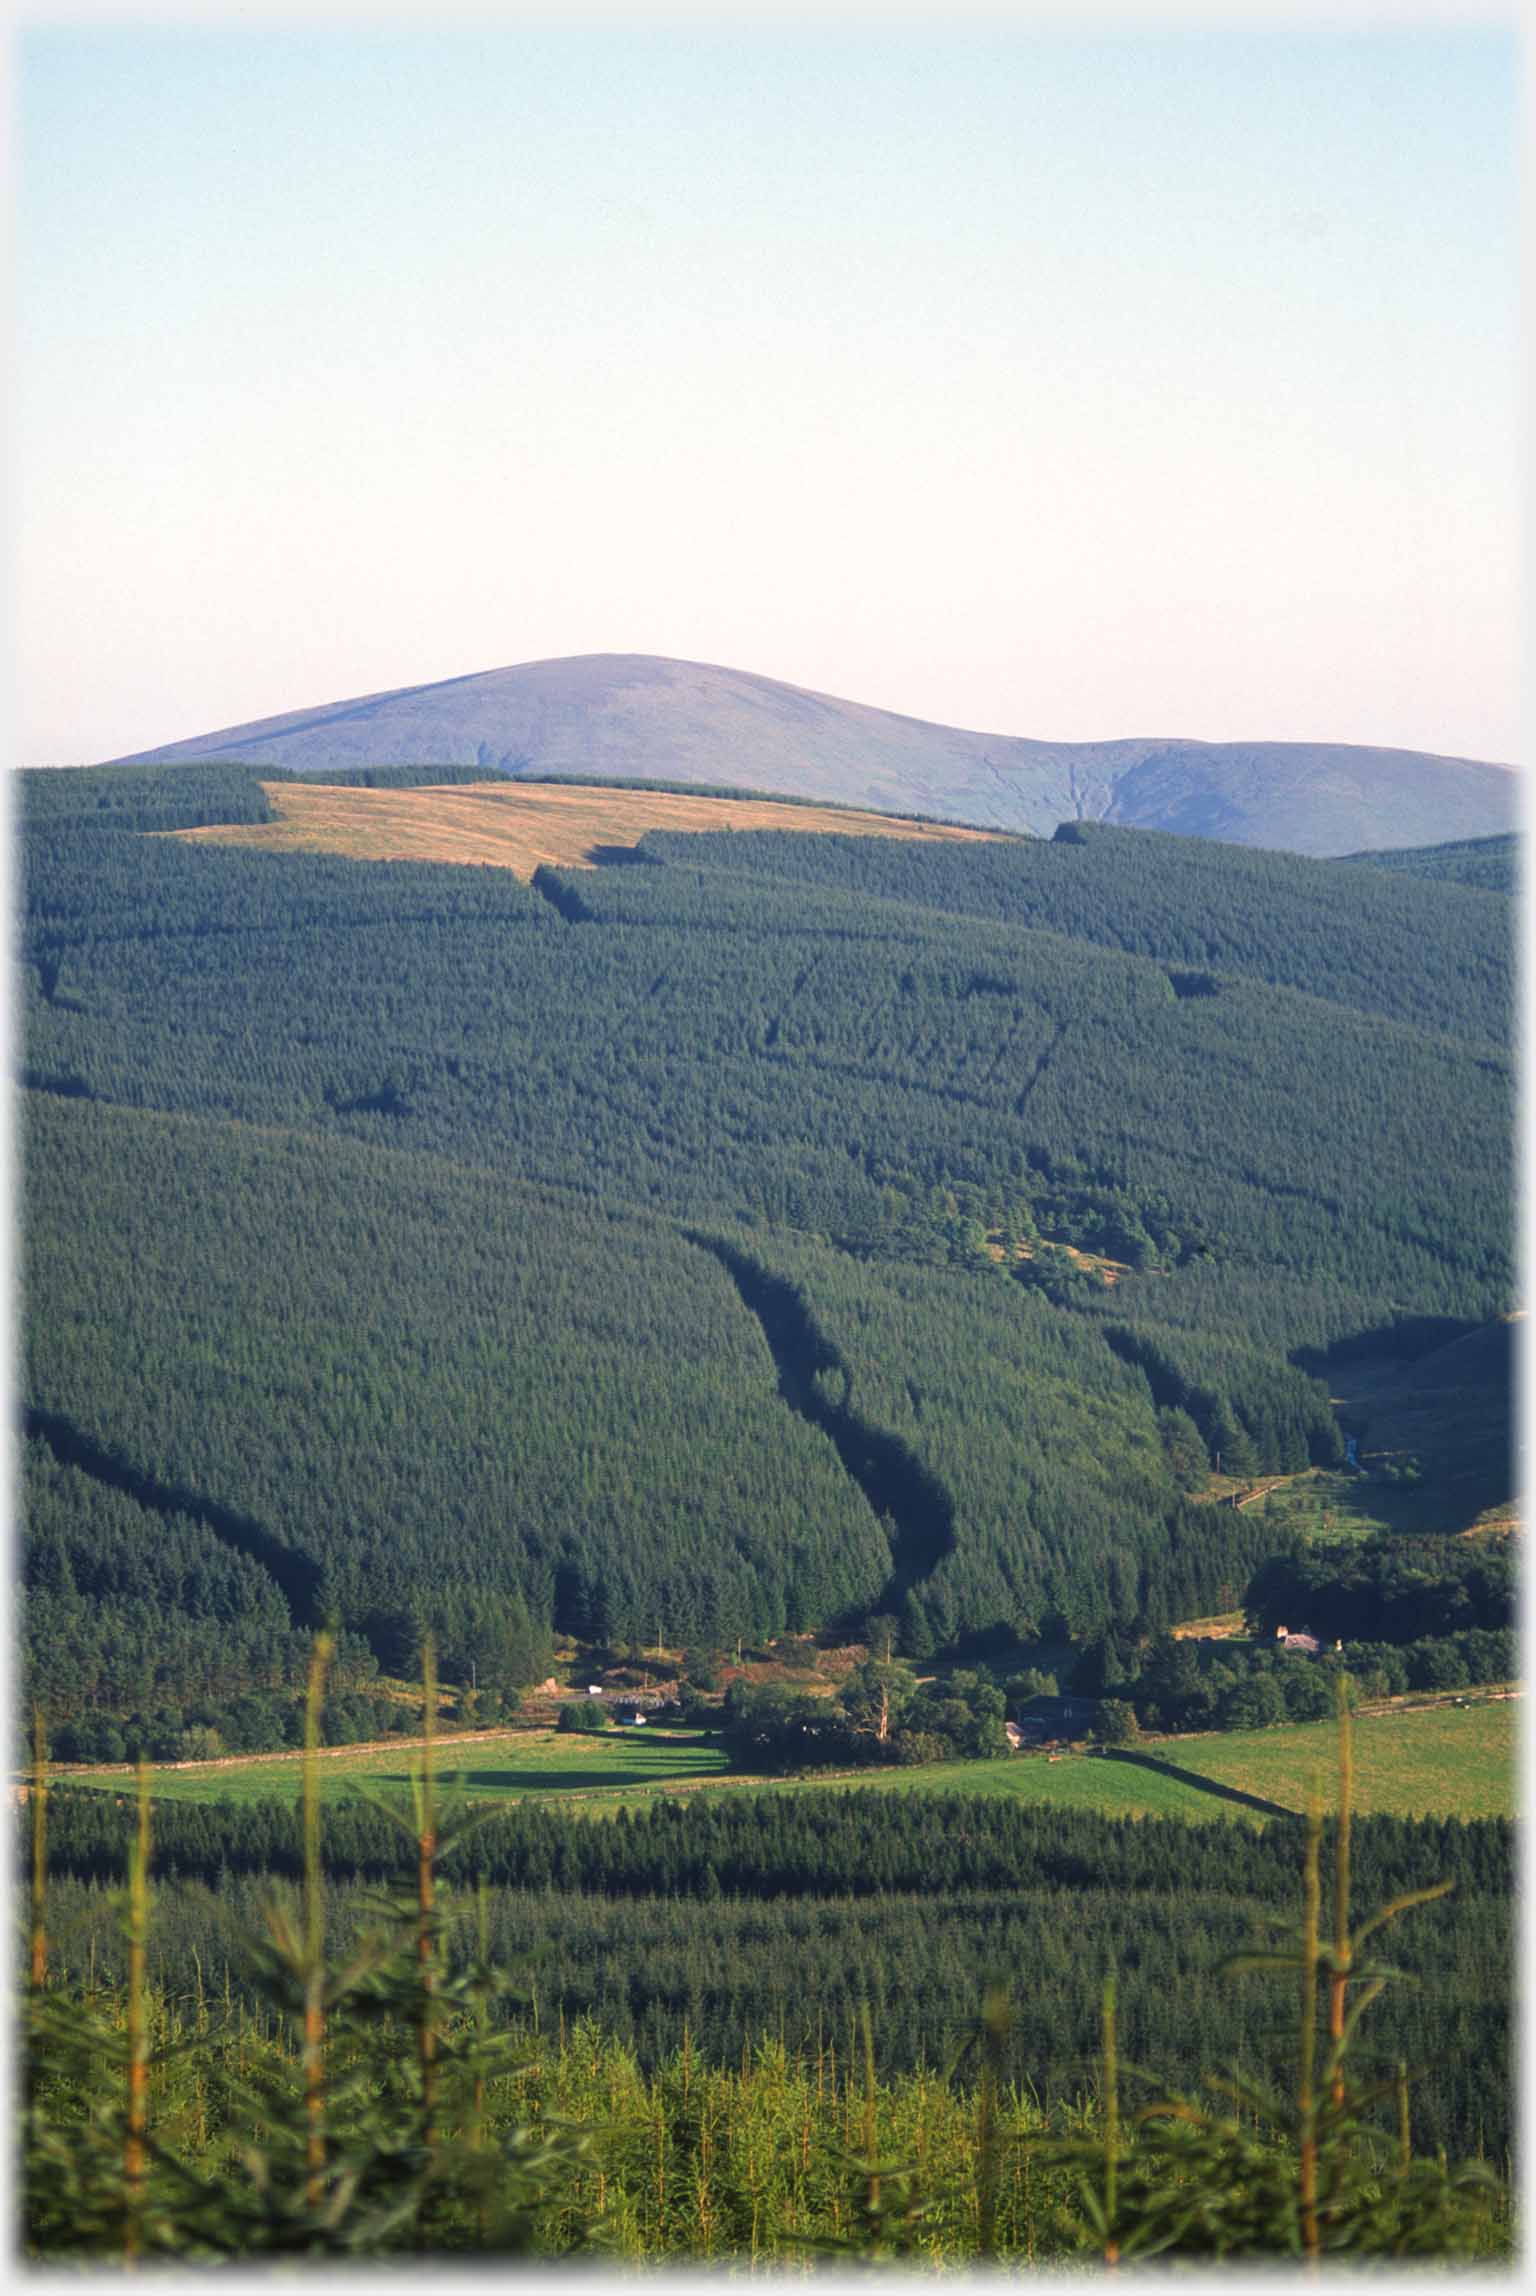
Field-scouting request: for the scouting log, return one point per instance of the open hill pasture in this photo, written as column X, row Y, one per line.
column 1067, row 1781
column 525, row 826
column 1447, row 1759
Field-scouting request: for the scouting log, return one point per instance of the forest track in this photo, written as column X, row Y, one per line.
column 1260, row 1490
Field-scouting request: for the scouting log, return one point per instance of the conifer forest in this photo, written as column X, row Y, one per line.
column 930, row 1273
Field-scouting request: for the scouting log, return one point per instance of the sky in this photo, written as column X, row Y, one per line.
column 1077, row 383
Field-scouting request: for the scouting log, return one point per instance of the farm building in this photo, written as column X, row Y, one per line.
column 1042, row 1718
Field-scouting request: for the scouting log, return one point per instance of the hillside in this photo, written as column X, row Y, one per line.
column 624, row 716
column 1492, row 863
column 406, row 1241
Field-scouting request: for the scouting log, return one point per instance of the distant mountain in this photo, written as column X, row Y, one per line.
column 620, row 716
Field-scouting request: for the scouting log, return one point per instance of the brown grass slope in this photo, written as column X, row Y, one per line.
column 508, row 825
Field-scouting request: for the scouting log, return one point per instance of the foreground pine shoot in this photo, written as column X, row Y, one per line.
column 1258, row 2174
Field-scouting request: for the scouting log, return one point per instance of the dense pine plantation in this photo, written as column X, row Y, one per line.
column 1492, row 862
column 1222, row 908
column 626, row 1244
column 748, row 1916
column 1043, row 1494
column 124, row 1599
column 416, row 1378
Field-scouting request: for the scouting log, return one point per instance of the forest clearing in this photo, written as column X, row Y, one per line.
column 523, row 826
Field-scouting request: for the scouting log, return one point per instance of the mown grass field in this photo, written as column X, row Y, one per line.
column 520, row 825
column 1432, row 1761
column 615, row 1764
column 1072, row 1782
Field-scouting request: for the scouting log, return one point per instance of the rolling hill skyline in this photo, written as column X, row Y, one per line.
column 641, row 716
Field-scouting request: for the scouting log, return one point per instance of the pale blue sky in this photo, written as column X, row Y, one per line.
column 1062, row 384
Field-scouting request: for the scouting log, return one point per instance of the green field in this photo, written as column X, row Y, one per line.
column 600, row 1764
column 1441, row 1760
column 1430, row 1761
column 601, row 1771
column 1072, row 1782
column 609, row 1767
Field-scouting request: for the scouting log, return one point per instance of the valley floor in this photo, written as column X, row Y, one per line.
column 1452, row 1756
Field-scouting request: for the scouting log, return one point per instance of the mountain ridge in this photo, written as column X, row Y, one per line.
column 626, row 715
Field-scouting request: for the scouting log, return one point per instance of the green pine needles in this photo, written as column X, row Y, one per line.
column 1256, row 2173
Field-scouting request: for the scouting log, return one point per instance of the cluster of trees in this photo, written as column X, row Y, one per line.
column 1214, row 1685
column 1436, row 1661
column 880, row 1714
column 1411, row 1613
column 254, row 1723
column 1179, row 1684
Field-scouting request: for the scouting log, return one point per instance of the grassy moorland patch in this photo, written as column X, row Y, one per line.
column 522, row 826
column 1429, row 1761
column 1330, row 1504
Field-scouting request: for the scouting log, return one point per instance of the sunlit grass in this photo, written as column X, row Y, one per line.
column 1433, row 1761
column 509, row 1764
column 522, row 825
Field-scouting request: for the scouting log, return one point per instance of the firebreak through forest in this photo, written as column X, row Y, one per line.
column 713, row 1244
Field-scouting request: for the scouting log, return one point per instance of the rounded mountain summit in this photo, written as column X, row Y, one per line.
column 641, row 716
